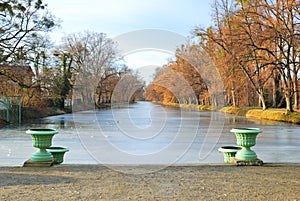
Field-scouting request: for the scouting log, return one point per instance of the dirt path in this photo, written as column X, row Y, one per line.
column 203, row 182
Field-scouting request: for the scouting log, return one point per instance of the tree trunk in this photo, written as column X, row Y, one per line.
column 288, row 100
column 275, row 90
column 288, row 92
column 262, row 99
column 295, row 88
column 233, row 98
column 62, row 103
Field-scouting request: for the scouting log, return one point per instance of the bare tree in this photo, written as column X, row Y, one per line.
column 21, row 20
column 95, row 57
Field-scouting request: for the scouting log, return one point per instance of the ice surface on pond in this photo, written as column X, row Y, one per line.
column 149, row 133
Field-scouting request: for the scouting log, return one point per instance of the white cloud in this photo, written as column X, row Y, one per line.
column 147, row 58
column 146, row 62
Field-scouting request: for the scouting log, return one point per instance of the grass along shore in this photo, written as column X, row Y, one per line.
column 257, row 113
column 269, row 114
column 188, row 106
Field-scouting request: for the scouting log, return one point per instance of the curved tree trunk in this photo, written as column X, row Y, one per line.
column 262, row 99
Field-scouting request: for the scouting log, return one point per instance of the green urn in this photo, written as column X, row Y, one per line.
column 229, row 152
column 246, row 138
column 58, row 153
column 41, row 139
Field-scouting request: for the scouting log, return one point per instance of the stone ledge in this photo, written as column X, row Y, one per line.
column 30, row 163
column 238, row 162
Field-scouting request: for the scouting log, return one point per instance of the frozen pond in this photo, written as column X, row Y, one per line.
column 147, row 133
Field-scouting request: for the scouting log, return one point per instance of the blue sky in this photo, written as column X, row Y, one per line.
column 116, row 17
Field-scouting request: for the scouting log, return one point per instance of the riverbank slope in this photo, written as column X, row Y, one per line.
column 269, row 114
column 29, row 113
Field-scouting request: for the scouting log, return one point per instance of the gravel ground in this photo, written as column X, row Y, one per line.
column 195, row 182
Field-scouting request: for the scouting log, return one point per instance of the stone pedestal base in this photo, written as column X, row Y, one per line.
column 30, row 163
column 256, row 162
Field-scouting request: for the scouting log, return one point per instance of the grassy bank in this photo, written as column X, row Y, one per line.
column 270, row 114
column 235, row 110
column 188, row 106
column 275, row 114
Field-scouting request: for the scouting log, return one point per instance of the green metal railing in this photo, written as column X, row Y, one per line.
column 10, row 109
